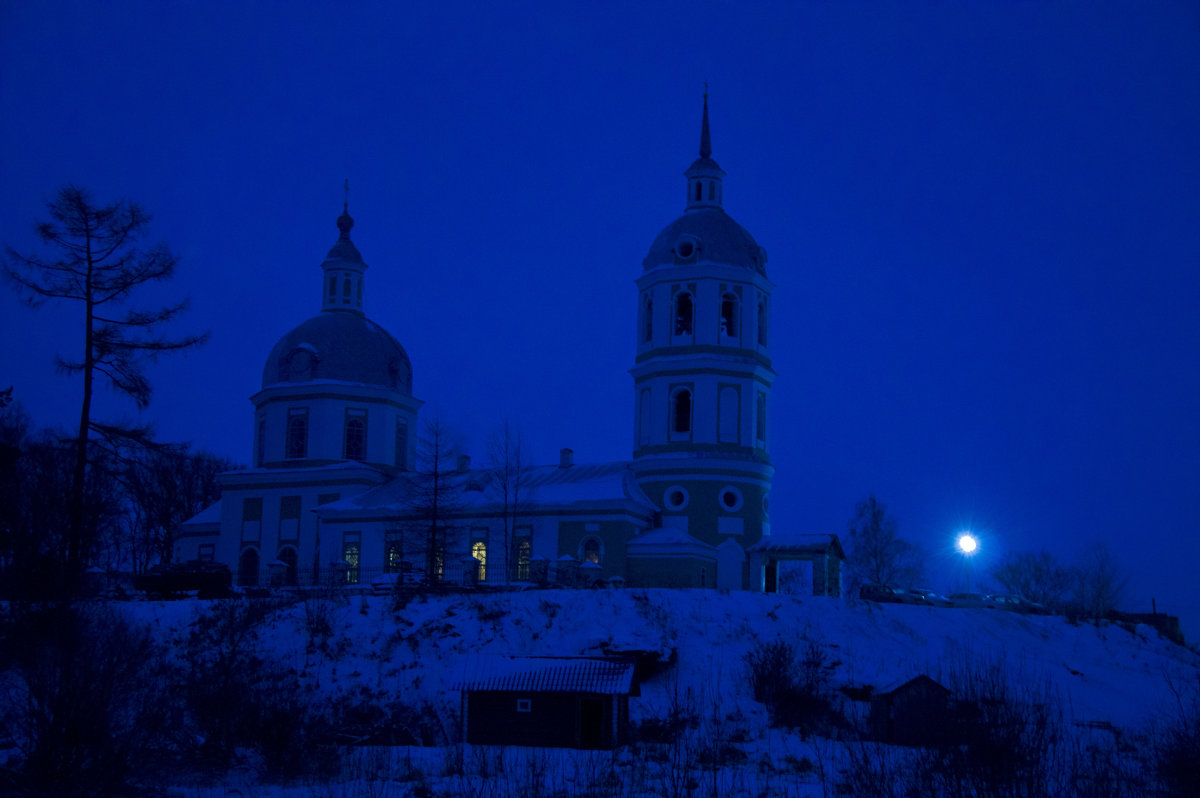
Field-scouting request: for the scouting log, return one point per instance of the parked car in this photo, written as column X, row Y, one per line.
column 209, row 579
column 384, row 584
column 883, row 593
column 928, row 597
column 1015, row 603
column 971, row 600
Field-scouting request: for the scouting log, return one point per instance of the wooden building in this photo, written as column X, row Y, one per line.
column 910, row 712
column 561, row 702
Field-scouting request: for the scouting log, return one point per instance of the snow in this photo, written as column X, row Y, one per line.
column 1099, row 675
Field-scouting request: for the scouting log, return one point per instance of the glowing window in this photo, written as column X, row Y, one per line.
column 591, row 551
column 479, row 552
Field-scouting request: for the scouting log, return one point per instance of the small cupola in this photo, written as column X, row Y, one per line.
column 343, row 268
column 704, row 175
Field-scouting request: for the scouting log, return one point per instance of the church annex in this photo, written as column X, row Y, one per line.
column 336, row 493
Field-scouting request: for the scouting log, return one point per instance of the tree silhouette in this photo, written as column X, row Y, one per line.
column 98, row 259
column 877, row 554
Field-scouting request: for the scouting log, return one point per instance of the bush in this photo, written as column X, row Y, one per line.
column 793, row 689
column 87, row 703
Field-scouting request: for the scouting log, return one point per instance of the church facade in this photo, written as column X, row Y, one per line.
column 337, row 494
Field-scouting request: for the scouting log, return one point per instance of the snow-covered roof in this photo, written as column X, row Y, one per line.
column 798, row 544
column 543, row 487
column 547, row 675
column 209, row 515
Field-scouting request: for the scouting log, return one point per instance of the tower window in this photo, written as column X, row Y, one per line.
column 712, row 190
column 346, row 287
column 729, row 316
column 681, row 411
column 401, row 443
column 648, row 319
column 699, row 190
column 683, row 314
column 761, row 419
column 332, row 286
column 297, row 433
column 355, row 445
column 644, row 418
column 762, row 322
column 727, row 415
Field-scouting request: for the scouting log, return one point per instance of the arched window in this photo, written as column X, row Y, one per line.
column 683, row 313
column 762, row 322
column 699, row 192
column 648, row 320
column 297, row 433
column 524, row 555
column 712, row 189
column 248, row 568
column 644, row 418
column 287, row 556
column 727, row 415
column 681, row 411
column 729, row 316
column 355, row 437
column 479, row 552
column 591, row 551
column 332, row 286
column 761, row 425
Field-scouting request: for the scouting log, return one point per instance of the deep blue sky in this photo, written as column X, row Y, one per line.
column 983, row 221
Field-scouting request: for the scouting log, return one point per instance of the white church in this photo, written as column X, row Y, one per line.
column 338, row 495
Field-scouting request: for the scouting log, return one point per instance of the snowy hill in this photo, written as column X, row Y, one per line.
column 360, row 649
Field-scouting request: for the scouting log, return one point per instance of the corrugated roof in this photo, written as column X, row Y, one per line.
column 547, row 675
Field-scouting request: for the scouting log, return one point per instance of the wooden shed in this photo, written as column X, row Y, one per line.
column 561, row 702
column 910, row 712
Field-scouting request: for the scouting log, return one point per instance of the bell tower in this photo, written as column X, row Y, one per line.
column 702, row 373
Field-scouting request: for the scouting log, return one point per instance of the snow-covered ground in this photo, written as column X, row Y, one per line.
column 1107, row 674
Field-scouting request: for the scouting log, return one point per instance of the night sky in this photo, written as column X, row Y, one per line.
column 983, row 224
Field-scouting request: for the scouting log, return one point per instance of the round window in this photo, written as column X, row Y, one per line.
column 676, row 498
column 685, row 248
column 731, row 499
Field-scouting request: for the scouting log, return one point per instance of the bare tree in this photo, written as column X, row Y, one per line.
column 99, row 260
column 1038, row 577
column 164, row 488
column 1100, row 582
column 435, row 495
column 877, row 554
column 510, row 475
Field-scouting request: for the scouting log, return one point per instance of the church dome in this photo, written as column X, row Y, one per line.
column 706, row 234
column 340, row 346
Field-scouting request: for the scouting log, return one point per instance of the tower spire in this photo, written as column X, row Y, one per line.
column 705, row 137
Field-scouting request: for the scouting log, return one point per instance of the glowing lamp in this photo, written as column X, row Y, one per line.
column 967, row 543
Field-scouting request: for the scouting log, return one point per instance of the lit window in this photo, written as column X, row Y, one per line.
column 355, row 447
column 683, row 314
column 681, row 411
column 479, row 552
column 524, row 555
column 297, row 433
column 351, row 550
column 393, row 551
column 591, row 551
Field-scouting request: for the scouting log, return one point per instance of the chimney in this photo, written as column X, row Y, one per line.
column 566, row 458
column 464, row 463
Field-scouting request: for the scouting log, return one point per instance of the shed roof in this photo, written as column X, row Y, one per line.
column 547, row 675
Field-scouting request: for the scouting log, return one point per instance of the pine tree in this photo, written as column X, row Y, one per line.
column 98, row 258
